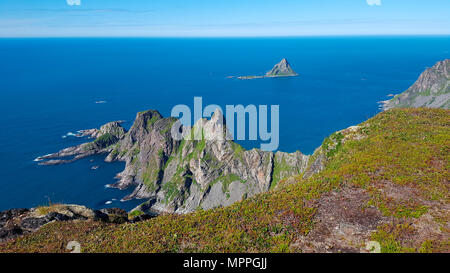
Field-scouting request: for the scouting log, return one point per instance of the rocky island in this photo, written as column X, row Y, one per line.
column 281, row 69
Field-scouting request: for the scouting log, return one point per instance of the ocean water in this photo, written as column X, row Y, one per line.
column 48, row 88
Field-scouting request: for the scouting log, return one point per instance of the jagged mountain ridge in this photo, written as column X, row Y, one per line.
column 182, row 176
column 431, row 90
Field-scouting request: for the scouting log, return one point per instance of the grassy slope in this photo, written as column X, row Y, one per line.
column 400, row 159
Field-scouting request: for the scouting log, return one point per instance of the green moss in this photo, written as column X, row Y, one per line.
column 123, row 153
column 168, row 162
column 226, row 180
column 238, row 151
column 150, row 175
column 114, row 153
column 332, row 144
column 168, row 126
column 199, row 147
column 171, row 190
column 173, row 187
column 135, row 213
column 425, row 93
column 105, row 140
column 280, row 167
column 388, row 235
column 151, row 122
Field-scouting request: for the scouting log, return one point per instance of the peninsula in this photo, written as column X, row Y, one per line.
column 431, row 90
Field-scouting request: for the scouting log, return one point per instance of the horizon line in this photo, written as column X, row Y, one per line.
column 230, row 36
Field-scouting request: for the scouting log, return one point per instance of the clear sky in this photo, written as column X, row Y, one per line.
column 219, row 18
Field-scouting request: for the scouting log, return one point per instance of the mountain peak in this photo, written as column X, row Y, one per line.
column 431, row 90
column 283, row 68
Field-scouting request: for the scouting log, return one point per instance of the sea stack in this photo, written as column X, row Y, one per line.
column 281, row 69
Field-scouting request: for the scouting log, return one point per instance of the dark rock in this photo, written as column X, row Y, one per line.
column 114, row 211
column 54, row 216
column 7, row 215
column 100, row 216
column 141, row 218
column 115, row 215
column 33, row 223
column 6, row 234
column 17, row 222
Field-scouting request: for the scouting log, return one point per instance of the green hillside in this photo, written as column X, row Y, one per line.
column 386, row 180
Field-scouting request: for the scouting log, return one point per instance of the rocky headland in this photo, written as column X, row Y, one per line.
column 431, row 90
column 183, row 176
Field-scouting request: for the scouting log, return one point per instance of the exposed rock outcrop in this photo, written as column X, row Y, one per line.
column 16, row 222
column 282, row 69
column 105, row 137
column 204, row 172
column 431, row 90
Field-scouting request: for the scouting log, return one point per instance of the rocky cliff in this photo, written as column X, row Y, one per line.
column 182, row 176
column 431, row 90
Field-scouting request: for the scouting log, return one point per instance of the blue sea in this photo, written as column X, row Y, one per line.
column 49, row 88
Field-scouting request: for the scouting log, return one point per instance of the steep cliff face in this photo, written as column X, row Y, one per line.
column 206, row 171
column 431, row 90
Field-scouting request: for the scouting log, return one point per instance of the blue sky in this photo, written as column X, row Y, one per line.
column 222, row 18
